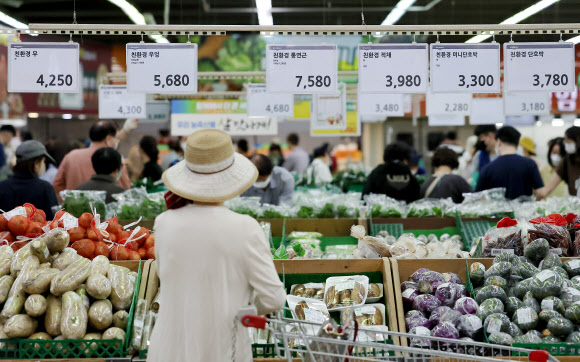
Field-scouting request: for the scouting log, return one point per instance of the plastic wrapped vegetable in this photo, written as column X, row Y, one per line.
column 74, row 316
column 490, row 291
column 70, row 278
column 383, row 206
column 147, row 329
column 512, row 304
column 560, row 327
column 409, row 296
column 502, row 269
column 420, row 342
column 414, row 313
column 469, row 326
column 525, row 319
column 122, row 287
column 101, row 314
column 501, row 338
column 529, row 338
column 447, row 294
column 78, row 202
column 573, row 313
column 546, row 283
column 450, row 316
column 496, row 322
column 497, row 281
column 477, row 274
column 514, row 330
column 551, row 260
column 53, row 315
column 20, row 326
column 417, row 321
column 553, row 229
column 437, row 313
column 489, row 307
column 531, row 302
column 445, row 330
column 572, row 267
column 568, row 296
column 505, row 236
column 521, row 288
column 466, row 305
column 574, row 337
column 426, row 303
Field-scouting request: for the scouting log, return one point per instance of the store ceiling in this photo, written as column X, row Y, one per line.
column 288, row 12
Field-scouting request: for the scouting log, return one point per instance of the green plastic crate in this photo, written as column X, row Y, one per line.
column 555, row 349
column 395, row 230
column 471, row 230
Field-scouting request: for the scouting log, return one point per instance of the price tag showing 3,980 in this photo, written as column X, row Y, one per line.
column 301, row 69
column 43, row 67
column 116, row 103
column 162, row 68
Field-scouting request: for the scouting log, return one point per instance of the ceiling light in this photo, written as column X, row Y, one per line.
column 515, row 19
column 67, row 116
column 10, row 21
column 558, row 122
column 399, row 10
column 32, row 115
column 136, row 17
column 264, row 12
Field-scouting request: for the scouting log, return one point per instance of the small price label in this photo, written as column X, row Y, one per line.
column 469, row 68
column 264, row 104
column 539, row 67
column 162, row 68
column 20, row 210
column 302, row 69
column 43, row 67
column 115, row 103
column 381, row 105
column 486, row 111
column 527, row 104
column 393, row 68
column 448, row 104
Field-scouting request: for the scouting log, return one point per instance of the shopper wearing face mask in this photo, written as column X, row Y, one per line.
column 274, row 185
column 569, row 168
column 76, row 167
column 318, row 173
column 107, row 163
column 556, row 154
column 25, row 186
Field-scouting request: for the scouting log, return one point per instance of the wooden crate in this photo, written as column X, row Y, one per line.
column 327, row 227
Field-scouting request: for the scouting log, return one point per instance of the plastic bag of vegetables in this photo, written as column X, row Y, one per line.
column 245, row 205
column 78, row 202
column 383, row 206
column 429, row 207
column 553, row 229
column 505, row 237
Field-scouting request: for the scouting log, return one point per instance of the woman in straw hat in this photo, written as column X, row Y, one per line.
column 210, row 260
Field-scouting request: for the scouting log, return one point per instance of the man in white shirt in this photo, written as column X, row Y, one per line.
column 298, row 160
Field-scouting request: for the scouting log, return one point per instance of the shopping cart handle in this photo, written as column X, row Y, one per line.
column 538, row 356
column 255, row 321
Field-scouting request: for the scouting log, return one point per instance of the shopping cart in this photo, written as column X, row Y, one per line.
column 329, row 342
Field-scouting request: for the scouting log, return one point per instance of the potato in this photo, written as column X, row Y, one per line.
column 98, row 286
column 53, row 315
column 56, row 240
column 17, row 296
column 6, row 255
column 38, row 249
column 120, row 319
column 70, row 278
column 38, row 281
column 5, row 284
column 74, row 316
column 122, row 288
column 101, row 314
column 100, row 265
column 18, row 260
column 113, row 333
column 66, row 258
column 35, row 305
column 20, row 326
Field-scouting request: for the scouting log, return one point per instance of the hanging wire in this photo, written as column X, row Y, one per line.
column 74, row 12
column 362, row 12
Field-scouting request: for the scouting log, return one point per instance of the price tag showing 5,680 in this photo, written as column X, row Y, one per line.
column 115, row 103
column 162, row 68
column 43, row 67
column 302, row 69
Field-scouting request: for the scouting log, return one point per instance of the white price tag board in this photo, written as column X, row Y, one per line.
column 162, row 68
column 43, row 67
column 116, row 103
column 449, row 104
column 527, row 104
column 539, row 67
column 388, row 105
column 329, row 111
column 469, row 68
column 393, row 68
column 264, row 104
column 486, row 111
column 302, row 69
column 446, row 120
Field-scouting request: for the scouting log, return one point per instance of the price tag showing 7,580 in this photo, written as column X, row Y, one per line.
column 162, row 68
column 43, row 67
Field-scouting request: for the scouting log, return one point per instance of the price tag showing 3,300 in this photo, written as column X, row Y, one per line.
column 264, row 104
column 162, row 68
column 302, row 69
column 539, row 67
column 116, row 102
column 388, row 105
column 43, row 67
column 465, row 68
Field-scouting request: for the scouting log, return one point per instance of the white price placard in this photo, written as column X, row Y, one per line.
column 116, row 103
column 162, row 68
column 527, row 103
column 539, row 67
column 469, row 68
column 329, row 111
column 302, row 69
column 486, row 111
column 446, row 120
column 388, row 105
column 448, row 104
column 264, row 104
column 393, row 68
column 43, row 67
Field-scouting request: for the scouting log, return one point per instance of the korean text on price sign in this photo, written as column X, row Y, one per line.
column 264, row 104
column 393, row 68
column 465, row 68
column 43, row 67
column 162, row 68
column 116, row 103
column 539, row 67
column 301, row 69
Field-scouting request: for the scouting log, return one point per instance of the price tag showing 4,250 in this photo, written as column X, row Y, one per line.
column 393, row 68
column 264, row 104
column 539, row 67
column 162, row 68
column 116, row 102
column 43, row 67
column 388, row 105
column 302, row 69
column 465, row 68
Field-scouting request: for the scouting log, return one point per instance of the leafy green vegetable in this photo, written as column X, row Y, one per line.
column 78, row 203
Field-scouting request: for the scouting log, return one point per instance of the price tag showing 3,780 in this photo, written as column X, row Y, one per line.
column 43, row 67
column 302, row 69
column 162, row 68
column 465, row 68
column 115, row 103
column 264, row 104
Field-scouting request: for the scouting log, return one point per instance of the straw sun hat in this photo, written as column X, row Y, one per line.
column 211, row 170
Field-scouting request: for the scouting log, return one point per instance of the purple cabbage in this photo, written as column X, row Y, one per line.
column 420, row 342
column 417, row 321
column 466, row 305
column 414, row 313
column 470, row 326
column 419, row 274
column 452, row 278
column 426, row 303
column 447, row 294
column 461, row 290
column 450, row 316
column 444, row 330
column 437, row 313
column 424, row 287
column 409, row 296
column 408, row 285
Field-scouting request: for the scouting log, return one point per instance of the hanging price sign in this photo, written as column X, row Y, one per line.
column 448, row 104
column 446, row 120
column 486, row 111
column 465, row 68
column 393, row 68
column 43, row 67
column 302, row 69
column 539, row 67
column 388, row 105
column 116, row 103
column 264, row 104
column 527, row 103
column 162, row 68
